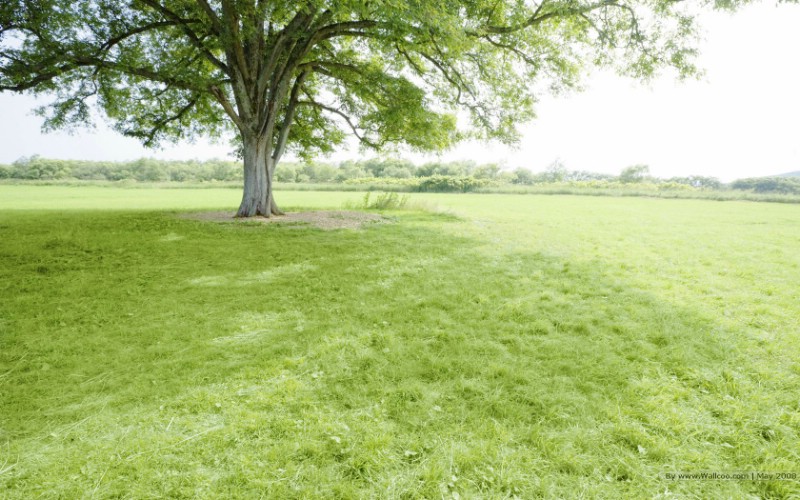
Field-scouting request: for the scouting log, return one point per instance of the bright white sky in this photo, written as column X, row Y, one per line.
column 742, row 119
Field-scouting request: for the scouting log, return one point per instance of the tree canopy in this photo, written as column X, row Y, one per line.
column 303, row 75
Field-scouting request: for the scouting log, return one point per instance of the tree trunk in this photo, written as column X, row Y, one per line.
column 259, row 167
column 259, row 170
column 255, row 198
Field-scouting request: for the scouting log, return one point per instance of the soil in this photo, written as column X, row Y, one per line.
column 328, row 219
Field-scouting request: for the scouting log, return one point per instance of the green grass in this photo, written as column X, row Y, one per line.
column 528, row 346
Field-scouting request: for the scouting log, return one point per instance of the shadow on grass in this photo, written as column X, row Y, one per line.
column 391, row 359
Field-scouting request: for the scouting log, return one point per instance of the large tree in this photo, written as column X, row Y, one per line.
column 303, row 74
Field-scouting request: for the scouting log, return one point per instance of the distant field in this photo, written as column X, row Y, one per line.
column 227, row 189
column 479, row 346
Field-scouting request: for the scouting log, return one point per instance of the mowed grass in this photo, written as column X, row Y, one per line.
column 502, row 346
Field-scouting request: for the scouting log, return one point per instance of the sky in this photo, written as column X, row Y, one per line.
column 742, row 119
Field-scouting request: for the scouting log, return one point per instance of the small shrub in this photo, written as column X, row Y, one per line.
column 385, row 201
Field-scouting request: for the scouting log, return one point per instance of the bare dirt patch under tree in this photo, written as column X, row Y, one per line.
column 323, row 219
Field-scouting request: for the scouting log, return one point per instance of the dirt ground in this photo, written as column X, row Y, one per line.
column 324, row 219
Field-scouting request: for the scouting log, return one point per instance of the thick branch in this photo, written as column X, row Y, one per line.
column 278, row 49
column 323, row 67
column 283, row 73
column 219, row 94
column 231, row 16
column 347, row 27
column 280, row 146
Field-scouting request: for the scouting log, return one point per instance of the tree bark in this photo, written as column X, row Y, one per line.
column 273, row 207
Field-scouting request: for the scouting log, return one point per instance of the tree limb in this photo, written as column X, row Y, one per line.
column 136, row 31
column 231, row 16
column 346, row 27
column 183, row 24
column 280, row 145
column 212, row 16
column 318, row 105
column 278, row 48
column 160, row 124
column 538, row 17
column 226, row 105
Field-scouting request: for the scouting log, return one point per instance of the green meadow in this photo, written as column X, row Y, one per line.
column 473, row 346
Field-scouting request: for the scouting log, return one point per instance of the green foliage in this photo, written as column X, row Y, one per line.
column 305, row 74
column 533, row 348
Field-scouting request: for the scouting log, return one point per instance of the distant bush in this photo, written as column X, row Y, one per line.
column 698, row 181
column 450, row 184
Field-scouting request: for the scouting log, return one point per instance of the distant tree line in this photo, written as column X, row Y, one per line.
column 142, row 170
column 782, row 185
column 455, row 176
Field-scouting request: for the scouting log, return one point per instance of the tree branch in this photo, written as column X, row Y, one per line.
column 219, row 94
column 315, row 104
column 522, row 55
column 321, row 67
column 231, row 15
column 184, row 25
column 136, row 31
column 347, row 27
column 538, row 17
column 160, row 124
column 212, row 16
column 278, row 48
column 280, row 145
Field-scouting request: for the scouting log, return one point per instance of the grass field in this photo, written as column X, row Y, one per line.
column 490, row 346
column 560, row 189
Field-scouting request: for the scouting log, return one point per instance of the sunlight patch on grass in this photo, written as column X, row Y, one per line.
column 261, row 277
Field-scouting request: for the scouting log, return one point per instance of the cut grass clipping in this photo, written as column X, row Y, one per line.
column 554, row 347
